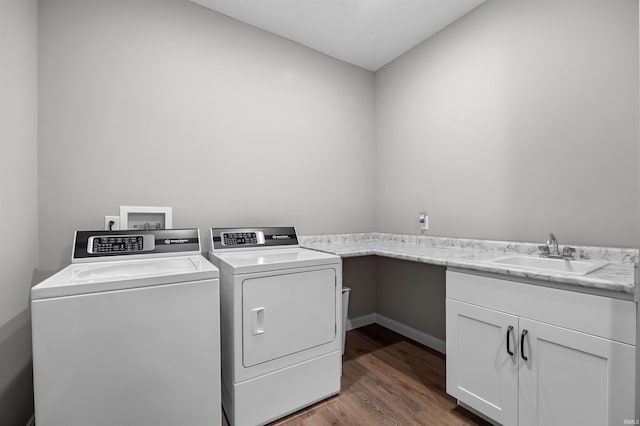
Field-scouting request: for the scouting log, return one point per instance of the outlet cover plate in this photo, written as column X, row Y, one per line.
column 116, row 223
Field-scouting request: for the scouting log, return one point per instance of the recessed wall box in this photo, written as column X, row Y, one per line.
column 137, row 217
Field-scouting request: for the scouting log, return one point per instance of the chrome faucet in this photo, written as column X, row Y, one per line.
column 554, row 253
column 551, row 239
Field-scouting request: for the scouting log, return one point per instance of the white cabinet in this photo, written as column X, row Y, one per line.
column 573, row 378
column 523, row 354
column 480, row 372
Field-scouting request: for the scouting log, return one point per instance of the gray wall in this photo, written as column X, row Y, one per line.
column 359, row 274
column 518, row 120
column 163, row 102
column 412, row 293
column 637, row 289
column 18, row 192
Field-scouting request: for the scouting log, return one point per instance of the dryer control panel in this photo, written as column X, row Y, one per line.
column 240, row 238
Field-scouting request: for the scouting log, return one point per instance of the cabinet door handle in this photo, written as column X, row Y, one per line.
column 509, row 330
column 524, row 334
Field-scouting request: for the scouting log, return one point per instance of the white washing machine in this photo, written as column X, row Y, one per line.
column 129, row 333
column 280, row 323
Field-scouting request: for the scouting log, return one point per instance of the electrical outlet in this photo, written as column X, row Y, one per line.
column 116, row 223
column 423, row 220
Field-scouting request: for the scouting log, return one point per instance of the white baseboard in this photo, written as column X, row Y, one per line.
column 405, row 330
column 361, row 321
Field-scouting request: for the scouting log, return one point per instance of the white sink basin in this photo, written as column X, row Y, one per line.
column 565, row 266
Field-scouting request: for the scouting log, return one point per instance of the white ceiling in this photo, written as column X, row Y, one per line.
column 367, row 33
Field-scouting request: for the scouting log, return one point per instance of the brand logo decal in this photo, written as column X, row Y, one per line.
column 280, row 237
column 167, row 241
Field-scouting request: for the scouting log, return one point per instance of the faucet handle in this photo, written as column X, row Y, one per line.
column 544, row 250
column 568, row 251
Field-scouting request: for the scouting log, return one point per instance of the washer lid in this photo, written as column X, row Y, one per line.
column 243, row 262
column 123, row 274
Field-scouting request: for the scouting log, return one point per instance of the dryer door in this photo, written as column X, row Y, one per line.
column 285, row 314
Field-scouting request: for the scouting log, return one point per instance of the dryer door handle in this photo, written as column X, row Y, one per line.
column 257, row 321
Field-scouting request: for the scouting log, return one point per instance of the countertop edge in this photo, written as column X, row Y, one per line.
column 580, row 281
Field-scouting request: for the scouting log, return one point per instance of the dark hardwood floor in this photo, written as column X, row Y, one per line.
column 387, row 379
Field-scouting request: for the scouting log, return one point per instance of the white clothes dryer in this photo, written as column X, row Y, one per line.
column 280, row 323
column 128, row 334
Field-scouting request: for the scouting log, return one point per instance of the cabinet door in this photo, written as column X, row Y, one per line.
column 574, row 378
column 480, row 372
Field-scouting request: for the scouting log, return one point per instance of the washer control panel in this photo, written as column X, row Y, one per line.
column 101, row 245
column 119, row 244
column 234, row 239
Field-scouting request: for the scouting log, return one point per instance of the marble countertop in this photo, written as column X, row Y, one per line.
column 617, row 276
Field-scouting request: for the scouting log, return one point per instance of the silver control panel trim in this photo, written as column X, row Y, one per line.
column 148, row 241
column 259, row 236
